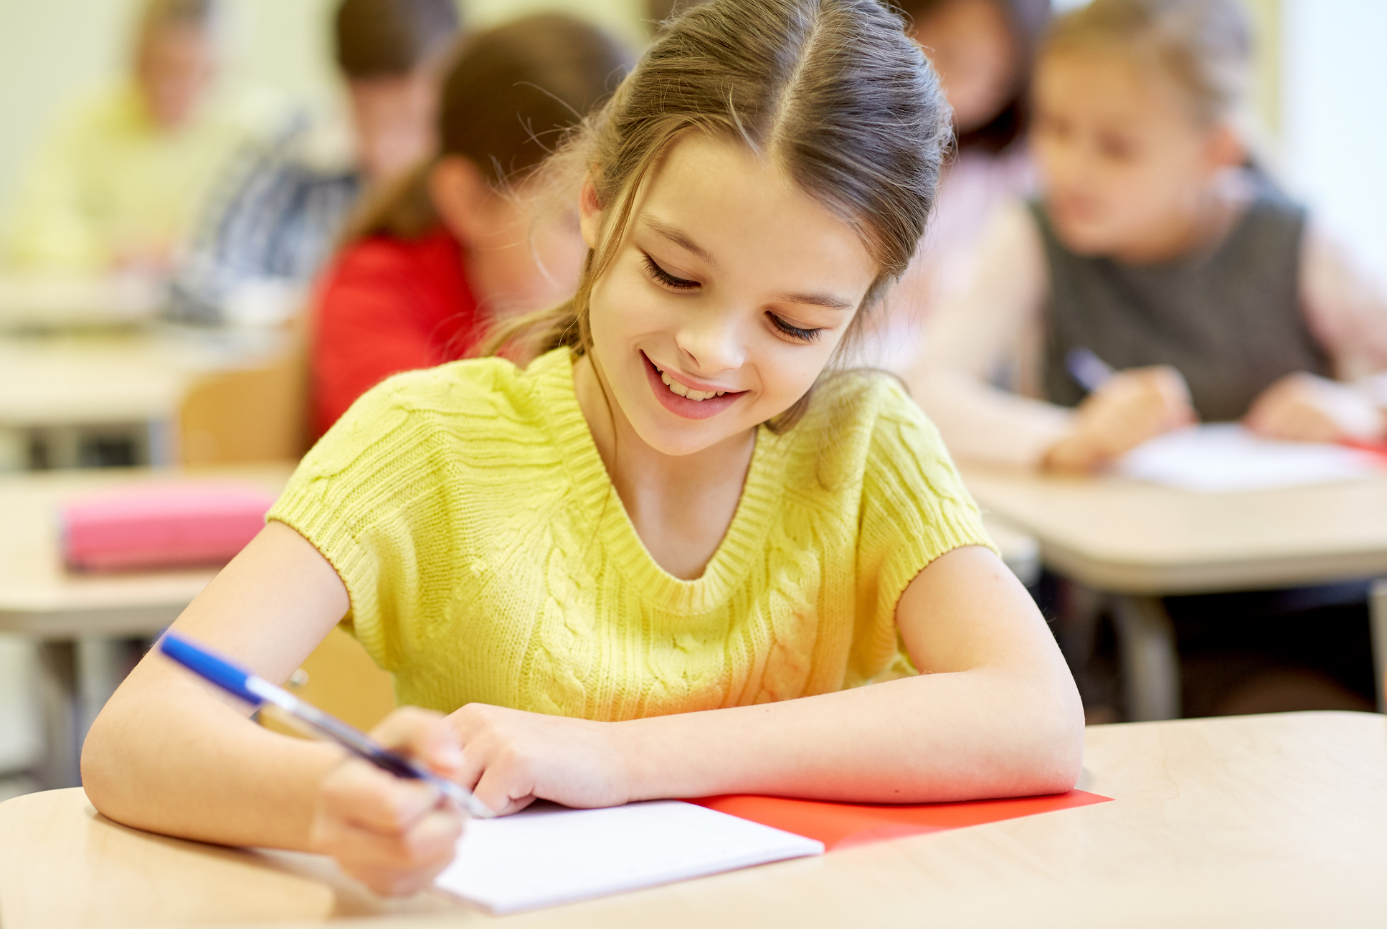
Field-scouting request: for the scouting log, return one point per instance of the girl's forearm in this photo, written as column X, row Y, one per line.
column 930, row 738
column 170, row 757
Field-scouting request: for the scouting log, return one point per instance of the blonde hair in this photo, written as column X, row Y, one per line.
column 832, row 91
column 1203, row 46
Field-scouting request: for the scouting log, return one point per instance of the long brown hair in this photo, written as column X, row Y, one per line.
column 510, row 97
column 830, row 90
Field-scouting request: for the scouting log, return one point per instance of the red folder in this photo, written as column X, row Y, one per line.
column 1378, row 449
column 844, row 825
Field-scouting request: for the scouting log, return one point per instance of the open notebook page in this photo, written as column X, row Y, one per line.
column 1225, row 457
column 547, row 855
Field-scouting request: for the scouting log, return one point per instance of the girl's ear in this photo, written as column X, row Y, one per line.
column 462, row 197
column 1226, row 148
column 589, row 212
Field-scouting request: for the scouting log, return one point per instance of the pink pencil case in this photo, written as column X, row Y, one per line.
column 161, row 526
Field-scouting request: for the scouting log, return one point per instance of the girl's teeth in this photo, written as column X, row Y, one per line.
column 681, row 390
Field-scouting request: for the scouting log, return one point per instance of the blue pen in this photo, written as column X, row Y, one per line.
column 257, row 691
column 1088, row 369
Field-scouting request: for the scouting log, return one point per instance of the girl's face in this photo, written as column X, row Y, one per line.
column 726, row 298
column 971, row 45
column 1124, row 166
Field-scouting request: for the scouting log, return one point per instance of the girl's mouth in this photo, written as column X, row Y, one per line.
column 684, row 401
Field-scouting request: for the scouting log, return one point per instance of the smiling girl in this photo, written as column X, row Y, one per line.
column 673, row 556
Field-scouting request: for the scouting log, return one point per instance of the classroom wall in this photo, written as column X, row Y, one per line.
column 1334, row 132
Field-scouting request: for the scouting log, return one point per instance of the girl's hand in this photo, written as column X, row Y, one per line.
column 1304, row 408
column 513, row 758
column 1132, row 407
column 394, row 835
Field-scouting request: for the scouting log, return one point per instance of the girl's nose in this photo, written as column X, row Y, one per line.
column 712, row 343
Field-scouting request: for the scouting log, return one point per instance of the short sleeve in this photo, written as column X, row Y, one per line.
column 371, row 497
column 914, row 509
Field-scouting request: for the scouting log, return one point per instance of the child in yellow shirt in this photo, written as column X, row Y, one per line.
column 676, row 554
column 118, row 181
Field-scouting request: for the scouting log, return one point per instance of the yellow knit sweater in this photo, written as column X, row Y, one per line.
column 489, row 559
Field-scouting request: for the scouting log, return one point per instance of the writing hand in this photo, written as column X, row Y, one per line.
column 393, row 834
column 1130, row 408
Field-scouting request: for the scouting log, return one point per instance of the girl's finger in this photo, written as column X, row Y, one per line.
column 428, row 844
column 501, row 793
column 473, row 765
column 421, row 734
column 361, row 794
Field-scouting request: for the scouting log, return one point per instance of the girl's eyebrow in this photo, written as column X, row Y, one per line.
column 824, row 300
column 683, row 241
column 677, row 237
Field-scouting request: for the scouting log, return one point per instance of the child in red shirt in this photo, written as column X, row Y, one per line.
column 453, row 247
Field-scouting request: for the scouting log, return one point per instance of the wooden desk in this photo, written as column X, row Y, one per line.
column 41, row 599
column 38, row 302
column 57, row 387
column 1261, row 820
column 1143, row 541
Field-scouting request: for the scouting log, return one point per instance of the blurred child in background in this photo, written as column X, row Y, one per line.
column 266, row 235
column 983, row 51
column 1152, row 248
column 455, row 244
column 116, row 183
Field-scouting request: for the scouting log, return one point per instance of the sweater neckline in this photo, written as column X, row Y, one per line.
column 596, row 494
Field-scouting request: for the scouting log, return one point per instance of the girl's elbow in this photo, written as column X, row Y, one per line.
column 96, row 768
column 1058, row 751
column 101, row 767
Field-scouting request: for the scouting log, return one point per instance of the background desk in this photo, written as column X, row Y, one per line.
column 1142, row 541
column 56, row 388
column 1257, row 820
column 41, row 599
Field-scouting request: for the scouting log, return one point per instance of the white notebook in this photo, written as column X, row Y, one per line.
column 1225, row 457
column 546, row 855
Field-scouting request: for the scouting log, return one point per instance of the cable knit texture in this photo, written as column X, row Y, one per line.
column 489, row 559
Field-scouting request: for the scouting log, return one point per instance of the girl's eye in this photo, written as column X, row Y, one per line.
column 665, row 278
column 794, row 332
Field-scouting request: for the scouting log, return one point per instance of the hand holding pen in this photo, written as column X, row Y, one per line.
column 393, row 823
column 1123, row 410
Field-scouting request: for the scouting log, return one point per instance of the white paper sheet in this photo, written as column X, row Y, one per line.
column 1225, row 457
column 549, row 855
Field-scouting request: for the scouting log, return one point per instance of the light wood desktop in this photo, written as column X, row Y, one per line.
column 39, row 302
column 41, row 599
column 1261, row 820
column 58, row 387
column 1142, row 541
